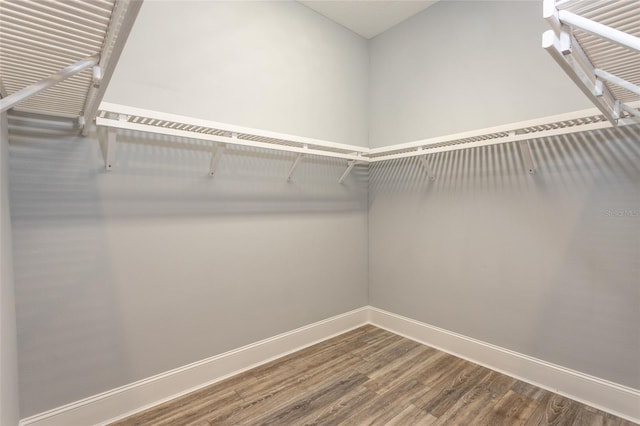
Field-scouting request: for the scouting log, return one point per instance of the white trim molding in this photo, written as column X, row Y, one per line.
column 121, row 402
column 124, row 401
column 607, row 396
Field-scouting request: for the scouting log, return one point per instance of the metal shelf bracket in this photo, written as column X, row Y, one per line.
column 109, row 146
column 295, row 164
column 425, row 165
column 23, row 94
column 576, row 65
column 96, row 76
column 626, row 108
column 527, row 157
column 217, row 155
column 215, row 159
column 350, row 165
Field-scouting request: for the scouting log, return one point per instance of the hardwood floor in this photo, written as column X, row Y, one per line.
column 371, row 376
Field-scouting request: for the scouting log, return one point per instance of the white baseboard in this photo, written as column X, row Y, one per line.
column 118, row 403
column 607, row 396
column 121, row 402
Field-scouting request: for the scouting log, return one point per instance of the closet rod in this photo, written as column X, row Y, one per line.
column 23, row 94
column 619, row 37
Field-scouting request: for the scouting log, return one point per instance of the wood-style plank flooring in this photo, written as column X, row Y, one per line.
column 371, row 376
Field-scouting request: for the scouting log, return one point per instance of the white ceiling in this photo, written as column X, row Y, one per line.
column 368, row 18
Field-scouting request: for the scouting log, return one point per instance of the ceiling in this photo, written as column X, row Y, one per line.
column 368, row 18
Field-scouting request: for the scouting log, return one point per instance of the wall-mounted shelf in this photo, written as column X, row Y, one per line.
column 46, row 42
column 57, row 57
column 598, row 45
column 561, row 124
column 130, row 118
column 115, row 117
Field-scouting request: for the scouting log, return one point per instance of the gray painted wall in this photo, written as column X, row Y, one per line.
column 276, row 66
column 9, row 403
column 547, row 264
column 126, row 274
column 464, row 65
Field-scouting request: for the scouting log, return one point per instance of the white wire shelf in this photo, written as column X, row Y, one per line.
column 115, row 116
column 40, row 38
column 130, row 118
column 573, row 122
column 597, row 43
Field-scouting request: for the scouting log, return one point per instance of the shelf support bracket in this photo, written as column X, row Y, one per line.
column 527, row 157
column 122, row 20
column 23, row 94
column 217, row 155
column 96, row 76
column 215, row 158
column 627, row 108
column 295, row 163
column 603, row 75
column 109, row 147
column 293, row 166
column 425, row 165
column 568, row 54
column 350, row 165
